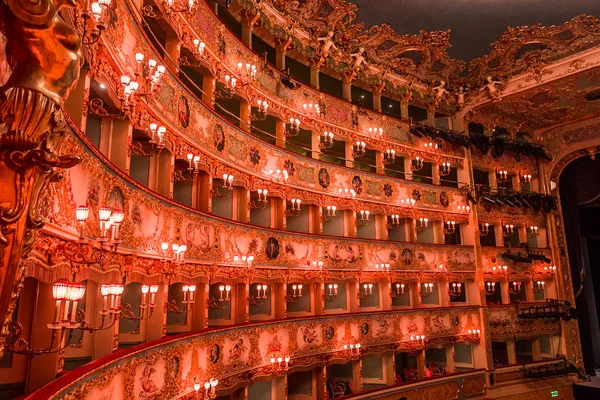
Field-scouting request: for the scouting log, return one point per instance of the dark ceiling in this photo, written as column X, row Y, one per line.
column 474, row 24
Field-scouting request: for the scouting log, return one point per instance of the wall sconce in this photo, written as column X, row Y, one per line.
column 399, row 291
column 350, row 193
column 351, row 351
column 514, row 288
column 193, row 165
column 473, row 335
column 376, row 132
column 426, row 289
column 407, row 202
column 95, row 17
column 484, row 229
column 422, row 224
column 393, row 222
column 326, row 140
column 366, row 292
column 333, row 292
column 261, row 110
column 312, row 110
column 178, row 252
column 317, row 265
column 445, row 169
column 526, row 178
column 226, row 190
column 362, row 218
column 262, row 200
column 243, row 260
column 228, row 89
column 280, row 365
column 249, row 72
column 227, row 290
column 456, row 289
column 297, row 293
column 199, row 47
column 464, row 209
column 292, row 128
column 82, row 251
column 210, row 389
column 430, row 146
column 417, row 342
column 261, row 294
column 551, row 268
column 383, row 267
column 389, row 156
column 449, row 227
column 532, row 231
column 277, row 175
column 540, row 285
column 359, row 149
column 502, row 176
column 187, row 303
column 490, row 288
column 329, row 215
column 295, row 209
column 417, row 163
column 508, row 230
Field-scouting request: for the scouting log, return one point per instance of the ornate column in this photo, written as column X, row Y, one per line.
column 32, row 126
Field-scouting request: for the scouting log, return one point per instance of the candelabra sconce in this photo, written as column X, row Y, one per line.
column 210, row 389
column 484, row 229
column 362, row 218
column 366, row 292
column 389, row 156
column 82, row 251
column 490, row 288
column 385, row 267
column 350, row 351
column 422, row 224
column 198, row 49
column 540, row 285
column 532, row 231
column 261, row 295
column 550, row 268
column 295, row 209
column 186, row 305
column 177, row 252
column 329, row 215
column 170, row 7
column 292, row 128
column 245, row 261
column 332, row 294
column 502, row 176
column 228, row 89
column 426, row 289
column 526, row 178
column 261, row 110
column 500, row 269
column 277, row 175
column 393, row 222
column 262, row 200
column 417, row 163
column 67, row 318
column 312, row 110
column 455, row 289
column 431, row 146
column 449, row 227
column 247, row 71
column 226, row 190
column 514, row 288
column 157, row 138
column 346, row 192
column 146, row 309
column 376, row 132
column 464, row 209
column 445, row 169
column 295, row 295
column 96, row 18
column 359, row 149
column 417, row 342
column 472, row 335
column 280, row 365
column 326, row 140
column 407, row 202
column 398, row 291
column 193, row 165
column 224, row 290
column 508, row 230
column 317, row 265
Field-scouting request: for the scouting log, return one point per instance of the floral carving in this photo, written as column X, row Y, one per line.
column 254, row 155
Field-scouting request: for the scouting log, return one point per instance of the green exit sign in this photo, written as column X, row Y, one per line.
column 554, row 393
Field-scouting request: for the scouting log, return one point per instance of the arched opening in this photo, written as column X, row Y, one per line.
column 580, row 199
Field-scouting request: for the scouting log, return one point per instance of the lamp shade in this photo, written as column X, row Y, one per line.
column 59, row 290
column 104, row 213
column 82, row 213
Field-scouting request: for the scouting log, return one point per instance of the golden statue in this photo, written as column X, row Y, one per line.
column 46, row 54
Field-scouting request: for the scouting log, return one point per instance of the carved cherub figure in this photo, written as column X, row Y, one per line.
column 359, row 59
column 326, row 44
column 493, row 88
column 438, row 93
